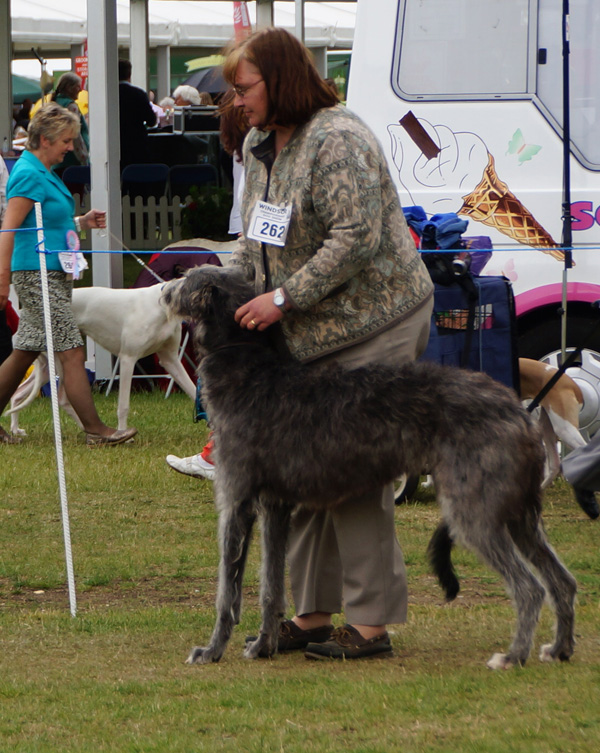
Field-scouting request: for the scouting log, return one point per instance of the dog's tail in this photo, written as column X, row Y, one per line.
column 439, row 552
column 30, row 388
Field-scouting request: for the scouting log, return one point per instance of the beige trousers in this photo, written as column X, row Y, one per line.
column 349, row 557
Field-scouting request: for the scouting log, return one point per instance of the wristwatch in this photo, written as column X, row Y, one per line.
column 279, row 299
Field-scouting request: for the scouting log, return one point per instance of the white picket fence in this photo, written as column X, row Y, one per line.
column 147, row 225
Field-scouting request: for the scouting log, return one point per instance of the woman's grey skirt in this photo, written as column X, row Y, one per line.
column 31, row 334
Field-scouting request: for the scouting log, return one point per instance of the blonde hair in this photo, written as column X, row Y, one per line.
column 51, row 121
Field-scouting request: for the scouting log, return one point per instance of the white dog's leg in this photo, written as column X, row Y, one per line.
column 26, row 393
column 170, row 362
column 565, row 430
column 552, row 464
column 126, row 367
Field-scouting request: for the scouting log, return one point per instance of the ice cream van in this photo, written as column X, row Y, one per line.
column 466, row 97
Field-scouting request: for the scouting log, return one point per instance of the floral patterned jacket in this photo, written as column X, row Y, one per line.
column 349, row 266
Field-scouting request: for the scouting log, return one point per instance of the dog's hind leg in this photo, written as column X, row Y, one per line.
column 275, row 528
column 560, row 586
column 495, row 545
column 235, row 528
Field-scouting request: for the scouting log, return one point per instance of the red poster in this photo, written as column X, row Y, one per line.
column 241, row 21
column 81, row 69
column 81, row 66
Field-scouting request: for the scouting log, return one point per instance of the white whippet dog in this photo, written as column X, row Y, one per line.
column 130, row 323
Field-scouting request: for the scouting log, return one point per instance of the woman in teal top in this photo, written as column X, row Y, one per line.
column 67, row 91
column 50, row 137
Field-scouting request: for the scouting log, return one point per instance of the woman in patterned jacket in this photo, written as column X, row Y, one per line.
column 327, row 246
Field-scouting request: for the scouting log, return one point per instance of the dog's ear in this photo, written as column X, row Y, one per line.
column 204, row 301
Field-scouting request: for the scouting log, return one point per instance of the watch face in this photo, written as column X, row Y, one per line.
column 278, row 298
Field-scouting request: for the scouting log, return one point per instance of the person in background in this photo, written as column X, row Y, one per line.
column 158, row 111
column 66, row 92
column 348, row 287
column 23, row 115
column 186, row 95
column 5, row 331
column 3, row 182
column 135, row 117
column 206, row 99
column 166, row 104
column 233, row 127
column 51, row 134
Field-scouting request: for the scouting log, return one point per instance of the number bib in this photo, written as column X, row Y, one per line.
column 73, row 262
column 269, row 223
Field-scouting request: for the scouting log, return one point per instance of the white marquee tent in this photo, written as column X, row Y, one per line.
column 55, row 25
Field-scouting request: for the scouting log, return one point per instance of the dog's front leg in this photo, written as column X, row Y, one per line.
column 235, row 529
column 275, row 529
column 126, row 367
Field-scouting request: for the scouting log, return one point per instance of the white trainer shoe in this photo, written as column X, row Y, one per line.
column 195, row 465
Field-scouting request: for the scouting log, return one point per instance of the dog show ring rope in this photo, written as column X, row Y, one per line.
column 60, row 463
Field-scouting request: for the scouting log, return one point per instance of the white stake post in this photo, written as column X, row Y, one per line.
column 55, row 411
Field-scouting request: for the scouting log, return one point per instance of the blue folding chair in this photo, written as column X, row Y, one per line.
column 77, row 179
column 183, row 177
column 144, row 180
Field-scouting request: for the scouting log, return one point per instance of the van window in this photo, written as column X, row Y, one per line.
column 584, row 73
column 477, row 48
column 499, row 49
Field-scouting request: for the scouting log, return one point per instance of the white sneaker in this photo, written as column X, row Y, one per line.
column 195, row 465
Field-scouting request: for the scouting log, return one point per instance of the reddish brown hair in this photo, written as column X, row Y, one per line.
column 295, row 89
column 233, row 125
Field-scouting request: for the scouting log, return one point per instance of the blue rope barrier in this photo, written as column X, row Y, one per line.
column 186, row 250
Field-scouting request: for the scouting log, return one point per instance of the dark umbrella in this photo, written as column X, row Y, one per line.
column 208, row 80
column 25, row 88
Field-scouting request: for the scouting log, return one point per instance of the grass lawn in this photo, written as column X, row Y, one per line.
column 145, row 557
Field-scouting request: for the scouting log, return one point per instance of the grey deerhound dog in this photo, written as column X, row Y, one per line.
column 287, row 435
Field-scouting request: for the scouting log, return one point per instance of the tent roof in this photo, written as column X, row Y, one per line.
column 54, row 25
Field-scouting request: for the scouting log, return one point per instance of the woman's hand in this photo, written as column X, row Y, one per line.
column 94, row 219
column 259, row 313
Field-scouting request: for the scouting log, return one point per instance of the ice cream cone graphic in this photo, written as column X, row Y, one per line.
column 492, row 203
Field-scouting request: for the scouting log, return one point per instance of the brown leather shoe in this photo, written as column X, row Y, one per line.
column 293, row 638
column 347, row 643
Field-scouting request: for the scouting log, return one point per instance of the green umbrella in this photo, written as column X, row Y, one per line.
column 24, row 88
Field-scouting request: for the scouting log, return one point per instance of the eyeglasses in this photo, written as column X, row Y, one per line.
column 241, row 91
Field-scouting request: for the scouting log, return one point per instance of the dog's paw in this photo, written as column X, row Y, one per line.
column 200, row 655
column 548, row 653
column 258, row 649
column 500, row 661
column 19, row 432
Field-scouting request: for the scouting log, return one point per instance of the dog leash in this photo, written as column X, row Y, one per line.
column 141, row 262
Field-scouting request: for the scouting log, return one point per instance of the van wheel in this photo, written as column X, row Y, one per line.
column 405, row 488
column 542, row 343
